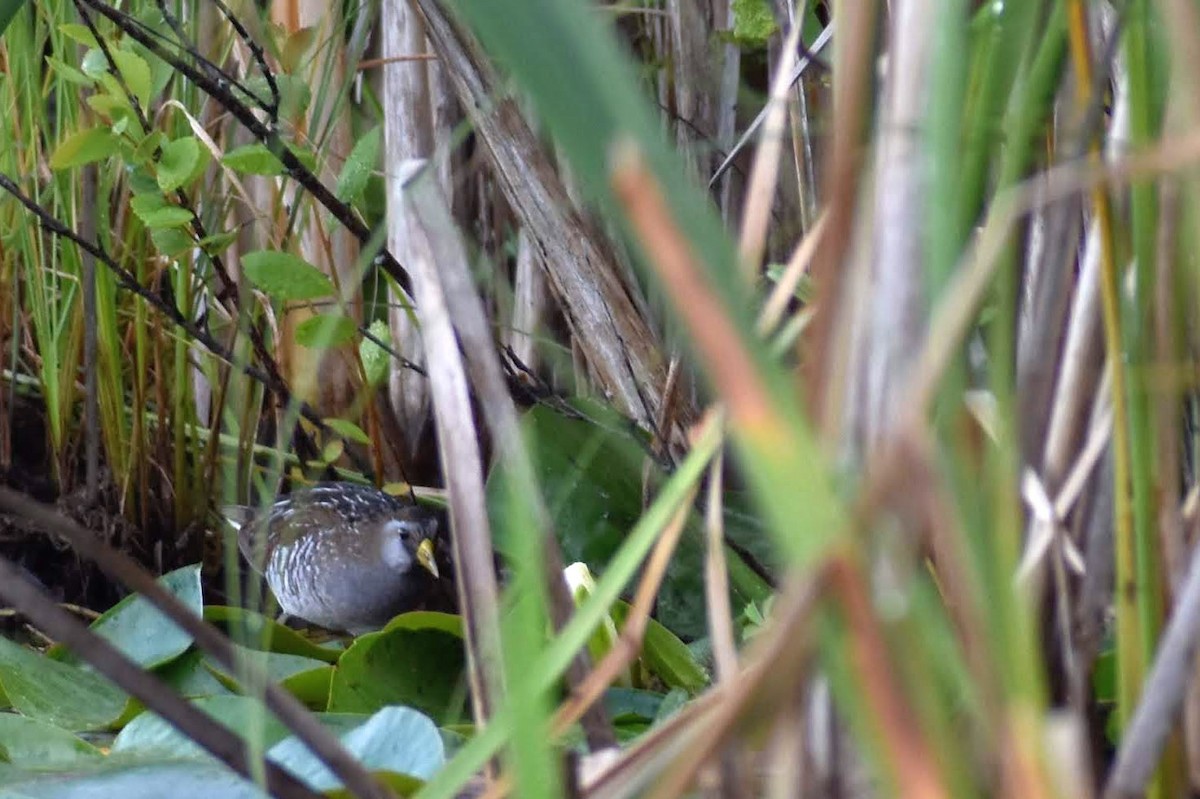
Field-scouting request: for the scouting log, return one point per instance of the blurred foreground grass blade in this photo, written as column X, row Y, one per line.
column 555, row 658
column 1139, row 607
column 8, row 10
column 587, row 95
column 770, row 440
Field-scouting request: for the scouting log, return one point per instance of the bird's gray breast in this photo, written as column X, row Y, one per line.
column 340, row 581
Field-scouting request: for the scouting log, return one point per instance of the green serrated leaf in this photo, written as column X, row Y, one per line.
column 84, row 147
column 106, row 104
column 171, row 241
column 753, row 22
column 347, row 430
column 357, row 169
column 294, row 93
column 253, row 159
column 136, row 74
column 284, row 276
column 79, row 33
column 143, row 184
column 146, row 148
column 325, row 330
column 172, row 216
column 218, row 242
column 306, row 157
column 178, row 160
column 375, row 359
column 67, row 72
column 145, row 202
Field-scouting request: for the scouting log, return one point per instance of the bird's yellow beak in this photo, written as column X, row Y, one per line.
column 425, row 557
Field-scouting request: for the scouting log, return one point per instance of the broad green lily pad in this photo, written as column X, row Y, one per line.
column 61, row 694
column 423, row 668
column 246, row 717
column 140, row 630
column 395, row 739
column 590, row 468
column 256, row 631
column 32, row 744
column 307, row 678
column 190, row 677
column 132, row 778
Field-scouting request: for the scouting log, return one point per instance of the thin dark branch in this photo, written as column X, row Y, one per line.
column 128, row 281
column 228, row 293
column 266, row 133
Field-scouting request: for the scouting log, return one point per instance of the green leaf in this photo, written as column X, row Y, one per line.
column 58, row 693
column 171, row 241
column 112, row 105
column 8, row 10
column 591, row 472
column 667, row 656
column 178, row 160
column 325, row 330
column 631, row 702
column 144, row 186
column 216, row 243
column 590, row 467
column 143, row 777
column 258, row 632
column 284, row 276
column 136, row 74
column 297, row 45
column 395, row 739
column 30, row 744
column 427, row 620
column 375, row 359
column 144, row 152
column 79, row 33
column 423, row 668
column 308, row 678
column 84, row 147
column 753, row 22
column 311, row 686
column 357, row 169
column 253, row 159
column 190, row 677
column 94, row 64
column 294, row 93
column 140, row 630
column 169, row 216
column 67, row 72
column 347, row 430
column 243, row 715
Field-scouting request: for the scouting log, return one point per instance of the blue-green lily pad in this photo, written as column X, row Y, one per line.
column 61, row 694
column 140, row 630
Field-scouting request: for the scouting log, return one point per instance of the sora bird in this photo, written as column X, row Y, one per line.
column 340, row 555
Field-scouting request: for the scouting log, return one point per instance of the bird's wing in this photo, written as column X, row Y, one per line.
column 247, row 520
